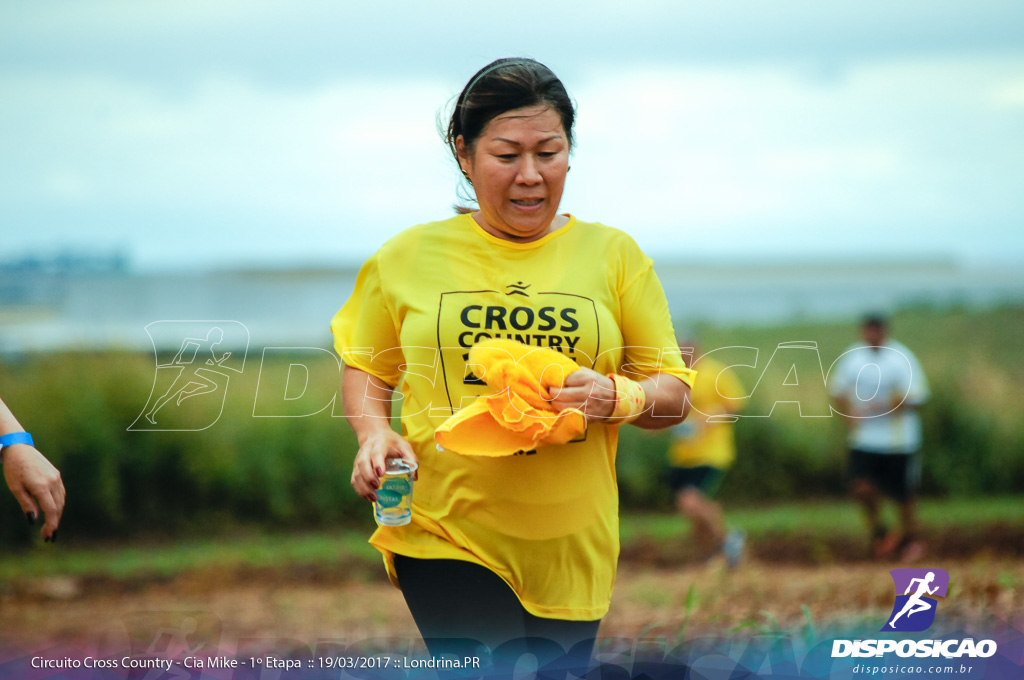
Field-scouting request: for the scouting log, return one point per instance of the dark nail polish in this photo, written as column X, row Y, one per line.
column 373, row 498
column 53, row 536
column 46, row 540
column 375, row 484
column 31, row 517
column 380, row 472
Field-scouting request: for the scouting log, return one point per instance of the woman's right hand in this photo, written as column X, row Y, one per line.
column 372, row 457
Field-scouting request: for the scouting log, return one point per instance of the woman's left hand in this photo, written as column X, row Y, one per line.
column 587, row 390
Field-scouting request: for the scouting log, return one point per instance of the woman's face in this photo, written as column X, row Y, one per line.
column 518, row 169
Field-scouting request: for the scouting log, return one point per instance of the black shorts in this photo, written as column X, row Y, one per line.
column 704, row 478
column 897, row 475
column 458, row 605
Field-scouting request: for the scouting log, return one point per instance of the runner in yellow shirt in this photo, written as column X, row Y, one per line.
column 702, row 449
column 525, row 545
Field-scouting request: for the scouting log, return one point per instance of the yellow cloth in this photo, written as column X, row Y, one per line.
column 519, row 417
column 704, row 439
column 545, row 520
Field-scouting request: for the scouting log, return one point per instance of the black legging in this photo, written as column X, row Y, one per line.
column 458, row 605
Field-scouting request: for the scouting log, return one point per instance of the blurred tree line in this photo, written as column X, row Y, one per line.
column 293, row 472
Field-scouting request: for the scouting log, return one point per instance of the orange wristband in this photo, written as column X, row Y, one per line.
column 630, row 400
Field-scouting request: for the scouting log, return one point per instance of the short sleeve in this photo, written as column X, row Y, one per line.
column 648, row 337
column 366, row 335
column 919, row 390
column 841, row 378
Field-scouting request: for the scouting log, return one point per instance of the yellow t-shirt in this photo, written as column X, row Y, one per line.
column 705, row 438
column 546, row 521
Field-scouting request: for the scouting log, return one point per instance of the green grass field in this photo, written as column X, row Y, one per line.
column 346, row 548
column 833, row 518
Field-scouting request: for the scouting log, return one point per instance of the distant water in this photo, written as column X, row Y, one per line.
column 776, row 293
column 53, row 309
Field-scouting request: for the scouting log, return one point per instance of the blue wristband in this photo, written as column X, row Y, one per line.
column 16, row 438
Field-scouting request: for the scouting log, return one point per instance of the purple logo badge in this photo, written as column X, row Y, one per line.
column 914, row 610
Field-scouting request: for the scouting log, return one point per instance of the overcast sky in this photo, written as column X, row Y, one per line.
column 230, row 133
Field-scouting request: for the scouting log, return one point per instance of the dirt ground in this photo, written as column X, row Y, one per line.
column 228, row 610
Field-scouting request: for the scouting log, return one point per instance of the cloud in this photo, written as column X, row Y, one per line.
column 127, row 156
column 901, row 151
column 207, row 132
column 306, row 44
column 1009, row 94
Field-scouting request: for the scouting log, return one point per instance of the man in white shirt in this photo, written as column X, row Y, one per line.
column 878, row 386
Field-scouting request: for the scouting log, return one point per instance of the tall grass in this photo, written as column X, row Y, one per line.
column 277, row 472
column 292, row 472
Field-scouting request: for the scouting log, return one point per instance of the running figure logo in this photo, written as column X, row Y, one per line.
column 171, row 636
column 914, row 610
column 201, row 367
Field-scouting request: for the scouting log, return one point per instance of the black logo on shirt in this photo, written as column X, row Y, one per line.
column 564, row 322
column 518, row 289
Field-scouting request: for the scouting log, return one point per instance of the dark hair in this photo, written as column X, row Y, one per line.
column 875, row 320
column 504, row 85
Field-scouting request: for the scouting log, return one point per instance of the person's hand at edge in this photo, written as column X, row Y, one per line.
column 37, row 485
